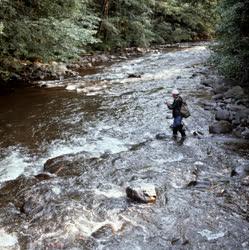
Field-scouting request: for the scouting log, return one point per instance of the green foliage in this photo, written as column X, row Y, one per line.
column 146, row 22
column 44, row 30
column 177, row 21
column 62, row 29
column 232, row 56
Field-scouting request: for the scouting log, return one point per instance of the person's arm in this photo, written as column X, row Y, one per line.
column 171, row 106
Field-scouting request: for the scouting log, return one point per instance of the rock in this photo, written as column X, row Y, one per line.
column 235, row 92
column 222, row 114
column 207, row 82
column 102, row 58
column 228, row 101
column 197, row 133
column 44, row 176
column 104, row 231
column 71, row 164
column 220, row 127
column 245, row 133
column 12, row 191
column 220, row 89
column 161, row 136
column 209, row 105
column 237, row 108
column 218, row 97
column 145, row 193
column 134, row 75
column 71, row 87
column 245, row 181
column 238, row 131
column 238, row 116
column 141, row 50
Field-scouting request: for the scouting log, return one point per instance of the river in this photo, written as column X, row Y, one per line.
column 102, row 128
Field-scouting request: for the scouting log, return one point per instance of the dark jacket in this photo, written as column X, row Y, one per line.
column 176, row 106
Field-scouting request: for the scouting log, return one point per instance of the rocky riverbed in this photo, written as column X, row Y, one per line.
column 73, row 150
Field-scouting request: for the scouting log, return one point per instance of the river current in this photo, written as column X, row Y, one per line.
column 100, row 131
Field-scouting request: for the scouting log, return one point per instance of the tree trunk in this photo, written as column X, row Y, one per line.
column 105, row 12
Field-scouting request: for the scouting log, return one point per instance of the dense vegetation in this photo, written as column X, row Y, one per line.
column 232, row 58
column 62, row 29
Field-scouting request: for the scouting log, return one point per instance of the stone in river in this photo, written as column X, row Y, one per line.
column 144, row 193
column 221, row 127
column 134, row 75
column 222, row 114
column 235, row 92
column 161, row 136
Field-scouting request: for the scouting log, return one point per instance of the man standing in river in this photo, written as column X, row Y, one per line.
column 176, row 111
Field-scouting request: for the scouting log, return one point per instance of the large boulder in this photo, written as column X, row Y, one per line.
column 220, row 127
column 145, row 193
column 71, row 164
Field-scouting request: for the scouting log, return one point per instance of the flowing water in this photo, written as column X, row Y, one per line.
column 100, row 133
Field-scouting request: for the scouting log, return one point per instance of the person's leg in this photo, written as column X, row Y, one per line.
column 176, row 125
column 182, row 131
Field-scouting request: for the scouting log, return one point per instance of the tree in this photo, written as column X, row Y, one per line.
column 232, row 56
column 43, row 30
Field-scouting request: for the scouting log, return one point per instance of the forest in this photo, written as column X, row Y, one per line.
column 48, row 31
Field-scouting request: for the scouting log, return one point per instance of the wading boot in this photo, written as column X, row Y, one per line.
column 174, row 133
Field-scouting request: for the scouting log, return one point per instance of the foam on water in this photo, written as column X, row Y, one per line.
column 13, row 165
column 7, row 240
column 210, row 235
column 17, row 161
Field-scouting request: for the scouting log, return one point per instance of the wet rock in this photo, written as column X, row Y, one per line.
column 161, row 136
column 227, row 101
column 104, row 231
column 220, row 127
column 238, row 108
column 209, row 105
column 238, row 131
column 144, row 193
column 44, row 176
column 13, row 191
column 217, row 97
column 245, row 133
column 222, row 114
column 184, row 178
column 198, row 134
column 71, row 164
column 235, row 92
column 207, row 82
column 220, row 89
column 32, row 206
column 245, row 181
column 134, row 75
column 242, row 114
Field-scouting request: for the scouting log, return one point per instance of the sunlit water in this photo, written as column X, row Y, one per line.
column 109, row 122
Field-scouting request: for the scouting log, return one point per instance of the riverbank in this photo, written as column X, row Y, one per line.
column 229, row 103
column 31, row 73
